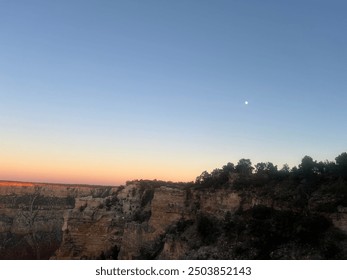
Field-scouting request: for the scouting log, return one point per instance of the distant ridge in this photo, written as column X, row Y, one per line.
column 7, row 183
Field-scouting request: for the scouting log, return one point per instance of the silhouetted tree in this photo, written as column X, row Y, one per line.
column 266, row 168
column 284, row 172
column 227, row 171
column 217, row 177
column 341, row 162
column 216, row 173
column 203, row 179
column 320, row 167
column 229, row 168
column 307, row 166
column 244, row 167
column 330, row 168
column 271, row 169
column 260, row 167
column 285, row 169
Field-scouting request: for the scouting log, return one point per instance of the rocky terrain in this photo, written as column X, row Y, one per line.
column 158, row 221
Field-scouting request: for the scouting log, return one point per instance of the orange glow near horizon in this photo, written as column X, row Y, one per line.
column 32, row 158
column 65, row 159
column 90, row 179
column 92, row 172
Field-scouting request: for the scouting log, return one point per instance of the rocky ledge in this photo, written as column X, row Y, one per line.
column 151, row 221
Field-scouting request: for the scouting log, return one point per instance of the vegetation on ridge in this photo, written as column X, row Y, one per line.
column 308, row 169
column 292, row 219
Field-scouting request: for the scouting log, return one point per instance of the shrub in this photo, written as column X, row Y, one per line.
column 208, row 229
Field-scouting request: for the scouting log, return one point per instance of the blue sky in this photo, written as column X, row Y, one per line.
column 104, row 91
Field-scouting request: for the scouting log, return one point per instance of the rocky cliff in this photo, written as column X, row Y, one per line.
column 41, row 221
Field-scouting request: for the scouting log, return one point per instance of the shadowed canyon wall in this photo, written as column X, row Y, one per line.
column 42, row 221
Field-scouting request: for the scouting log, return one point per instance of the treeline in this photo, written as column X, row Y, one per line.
column 308, row 169
column 157, row 183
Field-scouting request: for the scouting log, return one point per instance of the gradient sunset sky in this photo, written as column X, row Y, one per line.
column 105, row 91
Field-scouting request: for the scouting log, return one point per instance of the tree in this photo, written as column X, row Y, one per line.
column 285, row 169
column 244, row 167
column 260, row 167
column 341, row 162
column 267, row 168
column 227, row 171
column 270, row 168
column 283, row 172
column 307, row 165
column 203, row 179
column 216, row 173
column 330, row 168
column 218, row 177
column 229, row 168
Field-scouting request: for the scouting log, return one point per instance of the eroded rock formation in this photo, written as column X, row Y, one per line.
column 41, row 221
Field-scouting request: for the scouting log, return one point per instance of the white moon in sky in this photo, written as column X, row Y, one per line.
column 246, row 102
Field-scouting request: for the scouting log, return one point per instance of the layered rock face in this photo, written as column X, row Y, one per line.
column 32, row 217
column 74, row 222
column 41, row 221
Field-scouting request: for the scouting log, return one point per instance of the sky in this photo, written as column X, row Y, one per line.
column 101, row 91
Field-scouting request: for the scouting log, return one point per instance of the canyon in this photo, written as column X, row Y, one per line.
column 154, row 221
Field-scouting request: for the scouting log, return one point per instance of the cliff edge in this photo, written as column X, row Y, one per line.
column 151, row 221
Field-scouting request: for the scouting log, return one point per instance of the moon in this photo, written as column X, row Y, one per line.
column 246, row 102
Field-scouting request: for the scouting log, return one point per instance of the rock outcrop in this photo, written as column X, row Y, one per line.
column 32, row 217
column 42, row 221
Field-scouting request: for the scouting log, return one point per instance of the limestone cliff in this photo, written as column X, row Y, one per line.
column 163, row 222
column 32, row 217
